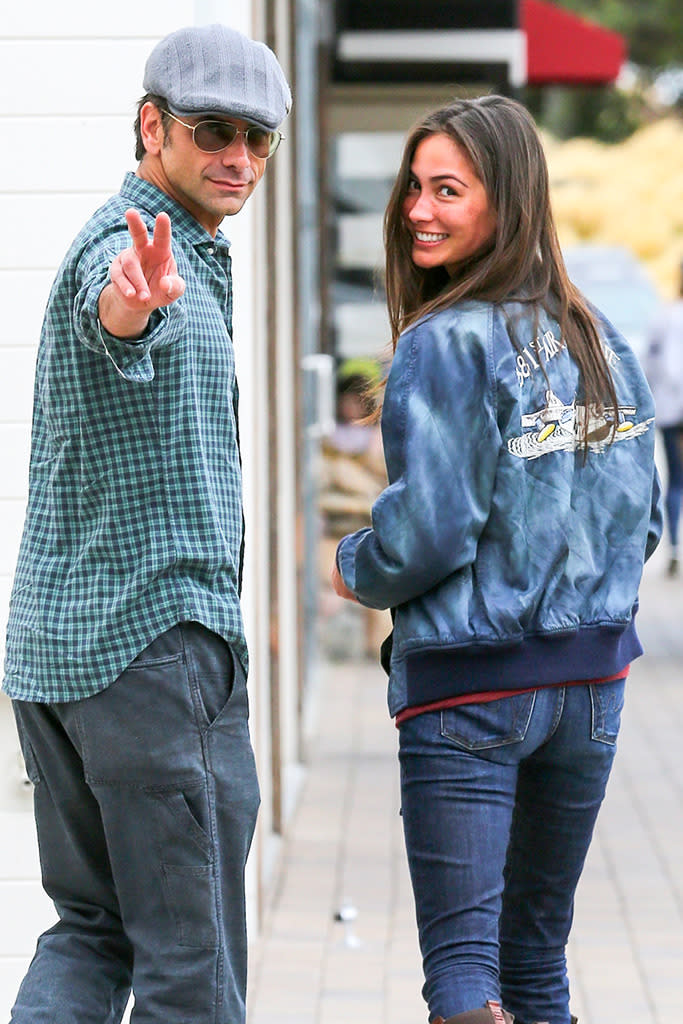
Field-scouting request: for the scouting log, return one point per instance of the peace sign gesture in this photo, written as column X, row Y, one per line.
column 143, row 278
column 146, row 272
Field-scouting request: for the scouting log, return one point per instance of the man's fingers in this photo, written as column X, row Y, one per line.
column 134, row 271
column 126, row 273
column 173, row 285
column 162, row 232
column 137, row 230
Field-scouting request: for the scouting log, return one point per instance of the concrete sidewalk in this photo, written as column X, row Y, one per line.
column 345, row 848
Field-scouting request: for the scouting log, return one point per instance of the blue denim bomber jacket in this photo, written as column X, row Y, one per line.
column 508, row 560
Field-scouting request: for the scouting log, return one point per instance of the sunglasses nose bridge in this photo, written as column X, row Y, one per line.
column 238, row 146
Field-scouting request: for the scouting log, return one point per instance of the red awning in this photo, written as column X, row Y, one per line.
column 564, row 48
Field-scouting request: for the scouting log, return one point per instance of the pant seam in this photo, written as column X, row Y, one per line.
column 190, row 666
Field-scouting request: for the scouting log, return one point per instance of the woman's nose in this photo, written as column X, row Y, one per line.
column 421, row 208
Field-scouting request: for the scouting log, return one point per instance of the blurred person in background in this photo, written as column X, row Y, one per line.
column 355, row 432
column 663, row 364
column 522, row 502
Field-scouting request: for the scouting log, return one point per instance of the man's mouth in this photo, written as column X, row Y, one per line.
column 224, row 183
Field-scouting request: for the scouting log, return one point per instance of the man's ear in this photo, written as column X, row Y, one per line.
column 151, row 128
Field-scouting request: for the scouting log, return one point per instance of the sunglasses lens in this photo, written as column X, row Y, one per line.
column 213, row 136
column 262, row 143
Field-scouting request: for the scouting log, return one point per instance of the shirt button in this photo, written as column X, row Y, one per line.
column 211, row 250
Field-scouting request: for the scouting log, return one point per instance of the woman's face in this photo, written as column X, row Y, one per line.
column 446, row 209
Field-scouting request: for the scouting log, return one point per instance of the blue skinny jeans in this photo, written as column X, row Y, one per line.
column 499, row 801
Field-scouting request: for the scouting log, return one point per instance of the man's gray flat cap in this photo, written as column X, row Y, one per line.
column 213, row 69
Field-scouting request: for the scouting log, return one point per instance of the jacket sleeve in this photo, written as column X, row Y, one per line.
column 441, row 443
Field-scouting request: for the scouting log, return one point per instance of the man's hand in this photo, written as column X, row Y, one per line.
column 340, row 587
column 144, row 277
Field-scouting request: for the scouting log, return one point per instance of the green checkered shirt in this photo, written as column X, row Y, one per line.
column 134, row 518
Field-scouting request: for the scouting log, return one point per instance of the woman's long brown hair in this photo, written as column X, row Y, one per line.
column 523, row 262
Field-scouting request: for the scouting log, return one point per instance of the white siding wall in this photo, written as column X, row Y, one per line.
column 70, row 77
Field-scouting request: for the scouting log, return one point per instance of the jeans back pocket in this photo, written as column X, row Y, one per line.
column 488, row 724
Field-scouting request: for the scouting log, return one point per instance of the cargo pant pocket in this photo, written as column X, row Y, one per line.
column 187, row 868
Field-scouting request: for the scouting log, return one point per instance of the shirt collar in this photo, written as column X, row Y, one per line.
column 144, row 195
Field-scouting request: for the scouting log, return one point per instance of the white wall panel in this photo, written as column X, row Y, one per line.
column 75, row 76
column 11, row 524
column 15, row 440
column 85, row 18
column 5, row 589
column 68, row 154
column 18, row 858
column 17, row 367
column 23, row 294
column 28, row 908
column 38, row 229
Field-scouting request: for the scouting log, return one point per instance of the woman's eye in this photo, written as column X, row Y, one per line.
column 447, row 190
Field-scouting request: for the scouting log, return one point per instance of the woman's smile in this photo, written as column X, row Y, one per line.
column 424, row 236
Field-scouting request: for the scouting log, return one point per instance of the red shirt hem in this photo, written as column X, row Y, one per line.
column 489, row 695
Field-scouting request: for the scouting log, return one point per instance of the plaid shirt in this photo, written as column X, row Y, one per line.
column 134, row 518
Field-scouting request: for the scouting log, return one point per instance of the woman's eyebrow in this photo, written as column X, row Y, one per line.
column 449, row 177
column 444, row 176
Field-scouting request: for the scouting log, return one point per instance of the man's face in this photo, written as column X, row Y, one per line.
column 210, row 186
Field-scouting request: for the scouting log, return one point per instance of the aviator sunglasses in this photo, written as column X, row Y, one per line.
column 214, row 136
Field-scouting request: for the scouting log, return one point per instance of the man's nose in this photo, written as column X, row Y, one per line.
column 237, row 153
